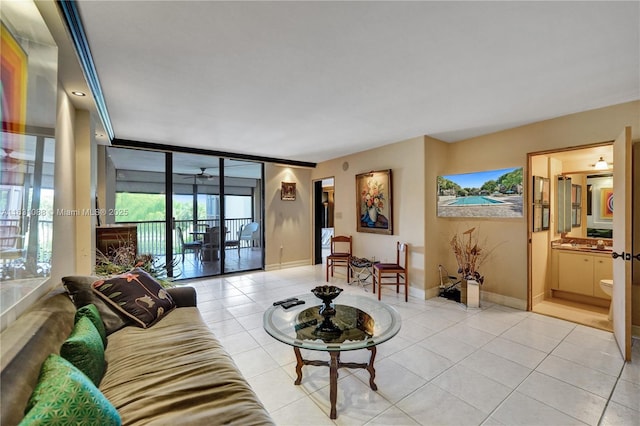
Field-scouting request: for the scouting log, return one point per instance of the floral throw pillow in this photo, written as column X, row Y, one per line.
column 137, row 295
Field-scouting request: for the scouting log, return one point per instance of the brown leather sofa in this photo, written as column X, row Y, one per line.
column 175, row 372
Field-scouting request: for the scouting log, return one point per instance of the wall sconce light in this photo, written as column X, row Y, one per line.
column 601, row 164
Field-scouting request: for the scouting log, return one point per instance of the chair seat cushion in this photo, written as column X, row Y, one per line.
column 386, row 266
column 339, row 255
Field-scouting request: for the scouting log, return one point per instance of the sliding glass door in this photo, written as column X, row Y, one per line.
column 198, row 215
column 242, row 201
column 134, row 203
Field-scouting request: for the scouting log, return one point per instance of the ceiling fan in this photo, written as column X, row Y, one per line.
column 10, row 161
column 203, row 175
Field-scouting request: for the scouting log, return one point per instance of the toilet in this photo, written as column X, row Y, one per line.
column 607, row 287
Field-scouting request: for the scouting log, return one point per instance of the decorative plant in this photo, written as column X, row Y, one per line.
column 469, row 254
column 373, row 195
column 123, row 258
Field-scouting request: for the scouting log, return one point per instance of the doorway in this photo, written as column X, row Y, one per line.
column 324, row 208
column 562, row 226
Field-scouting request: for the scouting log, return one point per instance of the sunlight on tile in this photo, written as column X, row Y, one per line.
column 447, row 366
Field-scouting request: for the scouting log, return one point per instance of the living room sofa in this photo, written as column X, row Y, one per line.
column 173, row 372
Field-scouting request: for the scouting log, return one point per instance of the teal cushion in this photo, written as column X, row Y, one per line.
column 91, row 311
column 84, row 349
column 137, row 295
column 65, row 396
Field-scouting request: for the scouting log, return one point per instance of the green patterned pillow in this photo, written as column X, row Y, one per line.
column 91, row 311
column 84, row 349
column 65, row 396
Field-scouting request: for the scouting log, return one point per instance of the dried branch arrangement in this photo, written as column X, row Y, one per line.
column 123, row 258
column 469, row 254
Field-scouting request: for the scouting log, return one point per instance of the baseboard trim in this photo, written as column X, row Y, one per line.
column 287, row 265
column 418, row 293
column 537, row 299
column 500, row 299
column 432, row 292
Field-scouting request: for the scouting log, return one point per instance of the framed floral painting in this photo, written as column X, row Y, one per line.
column 374, row 206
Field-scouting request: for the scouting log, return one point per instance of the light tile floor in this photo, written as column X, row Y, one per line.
column 447, row 366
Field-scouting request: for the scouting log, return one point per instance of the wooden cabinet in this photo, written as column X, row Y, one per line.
column 112, row 237
column 579, row 272
column 575, row 273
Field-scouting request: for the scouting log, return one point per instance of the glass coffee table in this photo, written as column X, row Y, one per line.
column 356, row 322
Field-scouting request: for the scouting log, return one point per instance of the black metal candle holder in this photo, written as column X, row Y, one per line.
column 327, row 293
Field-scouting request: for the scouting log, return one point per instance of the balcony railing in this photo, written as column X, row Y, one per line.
column 152, row 234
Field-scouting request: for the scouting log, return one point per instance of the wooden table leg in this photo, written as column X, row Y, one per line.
column 371, row 370
column 333, row 382
column 334, row 364
column 299, row 364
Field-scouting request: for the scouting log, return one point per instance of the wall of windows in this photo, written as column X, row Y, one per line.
column 29, row 58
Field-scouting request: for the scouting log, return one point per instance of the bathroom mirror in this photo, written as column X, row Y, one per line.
column 583, row 196
column 564, row 205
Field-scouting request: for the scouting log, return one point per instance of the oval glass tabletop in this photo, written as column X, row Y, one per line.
column 359, row 322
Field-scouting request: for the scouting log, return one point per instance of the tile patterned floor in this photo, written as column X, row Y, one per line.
column 447, row 366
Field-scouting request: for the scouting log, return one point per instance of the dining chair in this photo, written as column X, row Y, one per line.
column 398, row 271
column 211, row 244
column 194, row 246
column 341, row 247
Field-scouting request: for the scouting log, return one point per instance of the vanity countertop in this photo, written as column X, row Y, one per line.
column 587, row 245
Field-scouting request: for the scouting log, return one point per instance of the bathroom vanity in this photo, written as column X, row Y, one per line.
column 578, row 265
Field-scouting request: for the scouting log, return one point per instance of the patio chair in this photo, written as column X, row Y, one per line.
column 398, row 271
column 211, row 244
column 9, row 248
column 248, row 232
column 341, row 247
column 194, row 246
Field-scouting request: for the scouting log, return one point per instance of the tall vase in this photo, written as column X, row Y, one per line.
column 473, row 294
column 373, row 214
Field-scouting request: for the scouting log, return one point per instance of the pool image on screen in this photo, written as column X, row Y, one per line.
column 491, row 193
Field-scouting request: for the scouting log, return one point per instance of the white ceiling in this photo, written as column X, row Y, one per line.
column 311, row 81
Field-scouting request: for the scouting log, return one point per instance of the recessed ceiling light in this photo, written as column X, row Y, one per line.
column 77, row 93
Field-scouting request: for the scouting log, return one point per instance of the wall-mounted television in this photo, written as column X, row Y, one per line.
column 491, row 193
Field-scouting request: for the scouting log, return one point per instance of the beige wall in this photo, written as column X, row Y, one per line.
column 406, row 160
column 415, row 213
column 63, row 261
column 506, row 271
column 287, row 224
column 436, row 238
column 85, row 188
column 540, row 253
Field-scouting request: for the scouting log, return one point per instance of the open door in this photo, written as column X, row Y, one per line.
column 622, row 242
column 318, row 214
